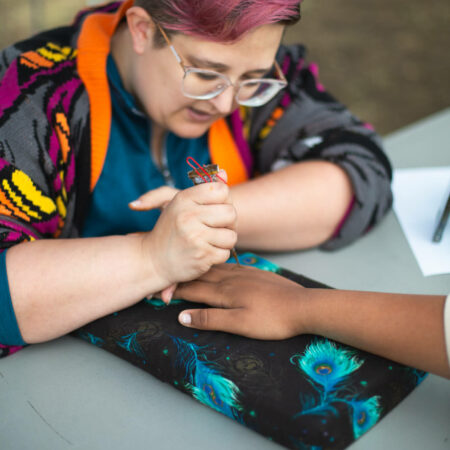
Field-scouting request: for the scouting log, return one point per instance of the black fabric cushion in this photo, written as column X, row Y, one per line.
column 305, row 393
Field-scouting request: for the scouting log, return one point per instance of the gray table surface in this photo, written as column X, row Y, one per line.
column 67, row 394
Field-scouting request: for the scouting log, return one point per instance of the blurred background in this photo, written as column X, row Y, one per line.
column 388, row 61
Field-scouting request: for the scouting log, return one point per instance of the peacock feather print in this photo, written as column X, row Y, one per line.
column 365, row 414
column 419, row 375
column 203, row 380
column 97, row 341
column 158, row 304
column 327, row 367
column 326, row 364
column 249, row 259
column 130, row 344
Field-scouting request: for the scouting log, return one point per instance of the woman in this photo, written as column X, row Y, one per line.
column 83, row 105
column 264, row 305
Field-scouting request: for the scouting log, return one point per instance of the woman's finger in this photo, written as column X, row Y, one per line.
column 220, row 272
column 157, row 198
column 218, row 216
column 222, row 175
column 219, row 255
column 223, row 238
column 208, row 193
column 167, row 293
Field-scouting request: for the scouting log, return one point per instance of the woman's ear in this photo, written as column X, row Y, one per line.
column 142, row 28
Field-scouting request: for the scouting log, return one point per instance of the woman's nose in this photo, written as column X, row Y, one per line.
column 225, row 102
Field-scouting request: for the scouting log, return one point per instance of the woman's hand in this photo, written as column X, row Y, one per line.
column 161, row 196
column 195, row 231
column 246, row 301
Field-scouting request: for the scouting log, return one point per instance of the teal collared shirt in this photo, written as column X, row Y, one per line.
column 129, row 169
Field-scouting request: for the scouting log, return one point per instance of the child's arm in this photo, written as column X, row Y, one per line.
column 262, row 305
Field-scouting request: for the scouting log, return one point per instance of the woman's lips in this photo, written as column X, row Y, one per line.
column 198, row 116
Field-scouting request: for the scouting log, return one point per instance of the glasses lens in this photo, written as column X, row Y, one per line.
column 203, row 84
column 258, row 92
column 207, row 84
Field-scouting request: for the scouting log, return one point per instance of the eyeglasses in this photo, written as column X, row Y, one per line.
column 203, row 84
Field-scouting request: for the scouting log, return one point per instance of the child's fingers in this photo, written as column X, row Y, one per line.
column 199, row 292
column 211, row 319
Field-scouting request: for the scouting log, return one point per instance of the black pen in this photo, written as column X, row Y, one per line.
column 442, row 221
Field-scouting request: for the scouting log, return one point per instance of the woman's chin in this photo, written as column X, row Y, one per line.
column 190, row 130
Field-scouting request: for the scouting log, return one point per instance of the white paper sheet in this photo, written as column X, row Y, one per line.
column 418, row 196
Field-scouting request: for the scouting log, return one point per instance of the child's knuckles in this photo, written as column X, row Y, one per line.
column 202, row 318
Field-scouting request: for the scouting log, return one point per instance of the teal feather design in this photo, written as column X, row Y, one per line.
column 318, row 407
column 97, row 341
column 326, row 364
column 249, row 259
column 130, row 344
column 365, row 415
column 419, row 375
column 158, row 304
column 205, row 383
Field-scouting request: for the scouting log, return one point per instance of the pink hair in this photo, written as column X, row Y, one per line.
column 220, row 20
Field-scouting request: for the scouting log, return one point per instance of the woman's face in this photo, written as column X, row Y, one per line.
column 156, row 77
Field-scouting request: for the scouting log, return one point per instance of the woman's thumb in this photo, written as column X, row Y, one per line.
column 157, row 198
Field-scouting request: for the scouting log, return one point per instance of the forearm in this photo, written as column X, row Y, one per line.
column 296, row 207
column 59, row 285
column 405, row 328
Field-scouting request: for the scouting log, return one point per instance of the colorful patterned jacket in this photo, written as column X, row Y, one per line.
column 55, row 116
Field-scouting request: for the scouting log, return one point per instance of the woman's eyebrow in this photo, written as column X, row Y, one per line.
column 206, row 63
column 220, row 67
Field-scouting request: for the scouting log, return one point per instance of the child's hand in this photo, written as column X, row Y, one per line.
column 246, row 301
